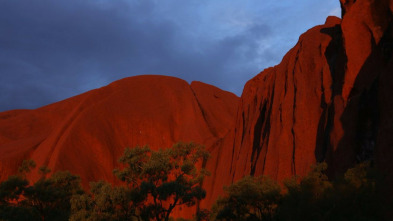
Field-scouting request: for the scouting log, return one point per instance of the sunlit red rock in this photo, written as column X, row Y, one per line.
column 330, row 99
column 281, row 108
column 86, row 134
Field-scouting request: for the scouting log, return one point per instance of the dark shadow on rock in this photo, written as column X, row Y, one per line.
column 360, row 118
column 336, row 59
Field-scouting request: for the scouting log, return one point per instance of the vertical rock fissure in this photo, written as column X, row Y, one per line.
column 244, row 126
column 256, row 147
column 233, row 154
column 320, row 148
column 294, row 111
column 267, row 130
column 261, row 133
column 293, row 135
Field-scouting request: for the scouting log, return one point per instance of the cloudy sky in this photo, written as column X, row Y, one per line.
column 52, row 50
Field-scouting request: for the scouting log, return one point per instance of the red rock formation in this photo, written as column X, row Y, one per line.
column 328, row 100
column 280, row 115
column 281, row 108
column 86, row 134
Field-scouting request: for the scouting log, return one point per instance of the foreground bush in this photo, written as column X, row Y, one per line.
column 251, row 198
column 355, row 196
column 46, row 199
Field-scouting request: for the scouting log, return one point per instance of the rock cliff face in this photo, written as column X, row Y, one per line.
column 330, row 99
column 283, row 112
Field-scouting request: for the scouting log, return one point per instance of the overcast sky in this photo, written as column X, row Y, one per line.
column 51, row 50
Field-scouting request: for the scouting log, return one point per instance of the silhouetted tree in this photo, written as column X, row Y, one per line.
column 47, row 199
column 12, row 204
column 50, row 197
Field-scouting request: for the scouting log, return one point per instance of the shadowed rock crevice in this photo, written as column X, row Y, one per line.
column 359, row 114
column 261, row 134
column 336, row 58
column 293, row 131
column 256, row 147
column 361, row 118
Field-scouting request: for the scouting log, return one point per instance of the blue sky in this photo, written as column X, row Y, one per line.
column 51, row 50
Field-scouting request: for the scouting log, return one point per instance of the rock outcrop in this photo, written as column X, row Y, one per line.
column 328, row 100
column 86, row 134
column 282, row 113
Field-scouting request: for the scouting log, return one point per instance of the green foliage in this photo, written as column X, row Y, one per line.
column 251, row 198
column 11, row 201
column 134, row 160
column 355, row 197
column 26, row 167
column 47, row 199
column 44, row 171
column 50, row 197
column 358, row 195
column 156, row 182
column 169, row 178
column 106, row 202
column 309, row 199
column 203, row 215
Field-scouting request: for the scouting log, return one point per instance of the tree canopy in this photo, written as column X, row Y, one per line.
column 251, row 198
column 46, row 199
column 155, row 183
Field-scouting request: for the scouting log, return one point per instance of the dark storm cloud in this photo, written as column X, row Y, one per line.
column 51, row 50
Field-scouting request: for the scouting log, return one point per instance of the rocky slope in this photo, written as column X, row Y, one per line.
column 86, row 134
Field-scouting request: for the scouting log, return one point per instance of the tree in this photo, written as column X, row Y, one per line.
column 106, row 202
column 355, row 196
column 251, row 198
column 308, row 199
column 50, row 197
column 11, row 200
column 358, row 195
column 26, row 167
column 46, row 199
column 167, row 178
